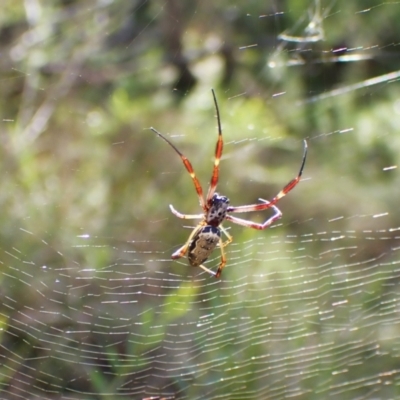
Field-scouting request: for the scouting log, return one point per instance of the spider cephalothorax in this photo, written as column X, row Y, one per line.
column 216, row 213
column 207, row 234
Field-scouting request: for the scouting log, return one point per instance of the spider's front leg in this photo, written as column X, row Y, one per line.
column 251, row 224
column 185, row 216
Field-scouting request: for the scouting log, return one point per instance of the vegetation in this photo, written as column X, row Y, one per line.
column 92, row 307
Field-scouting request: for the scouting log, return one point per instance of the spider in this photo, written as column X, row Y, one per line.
column 207, row 234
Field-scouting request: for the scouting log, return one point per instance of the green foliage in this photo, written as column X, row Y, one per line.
column 86, row 187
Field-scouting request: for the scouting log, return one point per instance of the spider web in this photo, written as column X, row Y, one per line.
column 92, row 305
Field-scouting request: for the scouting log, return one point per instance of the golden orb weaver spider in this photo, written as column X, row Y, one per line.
column 207, row 234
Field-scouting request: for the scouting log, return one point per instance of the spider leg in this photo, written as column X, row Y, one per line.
column 255, row 225
column 208, row 270
column 223, row 260
column 189, row 168
column 229, row 237
column 282, row 193
column 183, row 250
column 218, row 152
column 185, row 216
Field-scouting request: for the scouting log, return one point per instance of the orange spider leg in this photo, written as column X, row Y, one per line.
column 268, row 204
column 218, row 152
column 189, row 168
column 255, row 225
column 293, row 182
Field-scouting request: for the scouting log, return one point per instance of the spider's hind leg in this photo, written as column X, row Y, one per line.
column 183, row 250
column 208, row 270
column 223, row 259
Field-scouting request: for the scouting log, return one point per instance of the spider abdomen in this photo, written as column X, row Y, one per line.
column 203, row 244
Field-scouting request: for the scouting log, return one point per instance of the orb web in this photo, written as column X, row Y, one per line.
column 92, row 306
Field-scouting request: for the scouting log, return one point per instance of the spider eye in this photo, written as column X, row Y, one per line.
column 217, row 199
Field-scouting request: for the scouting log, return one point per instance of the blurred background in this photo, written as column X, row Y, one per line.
column 92, row 307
